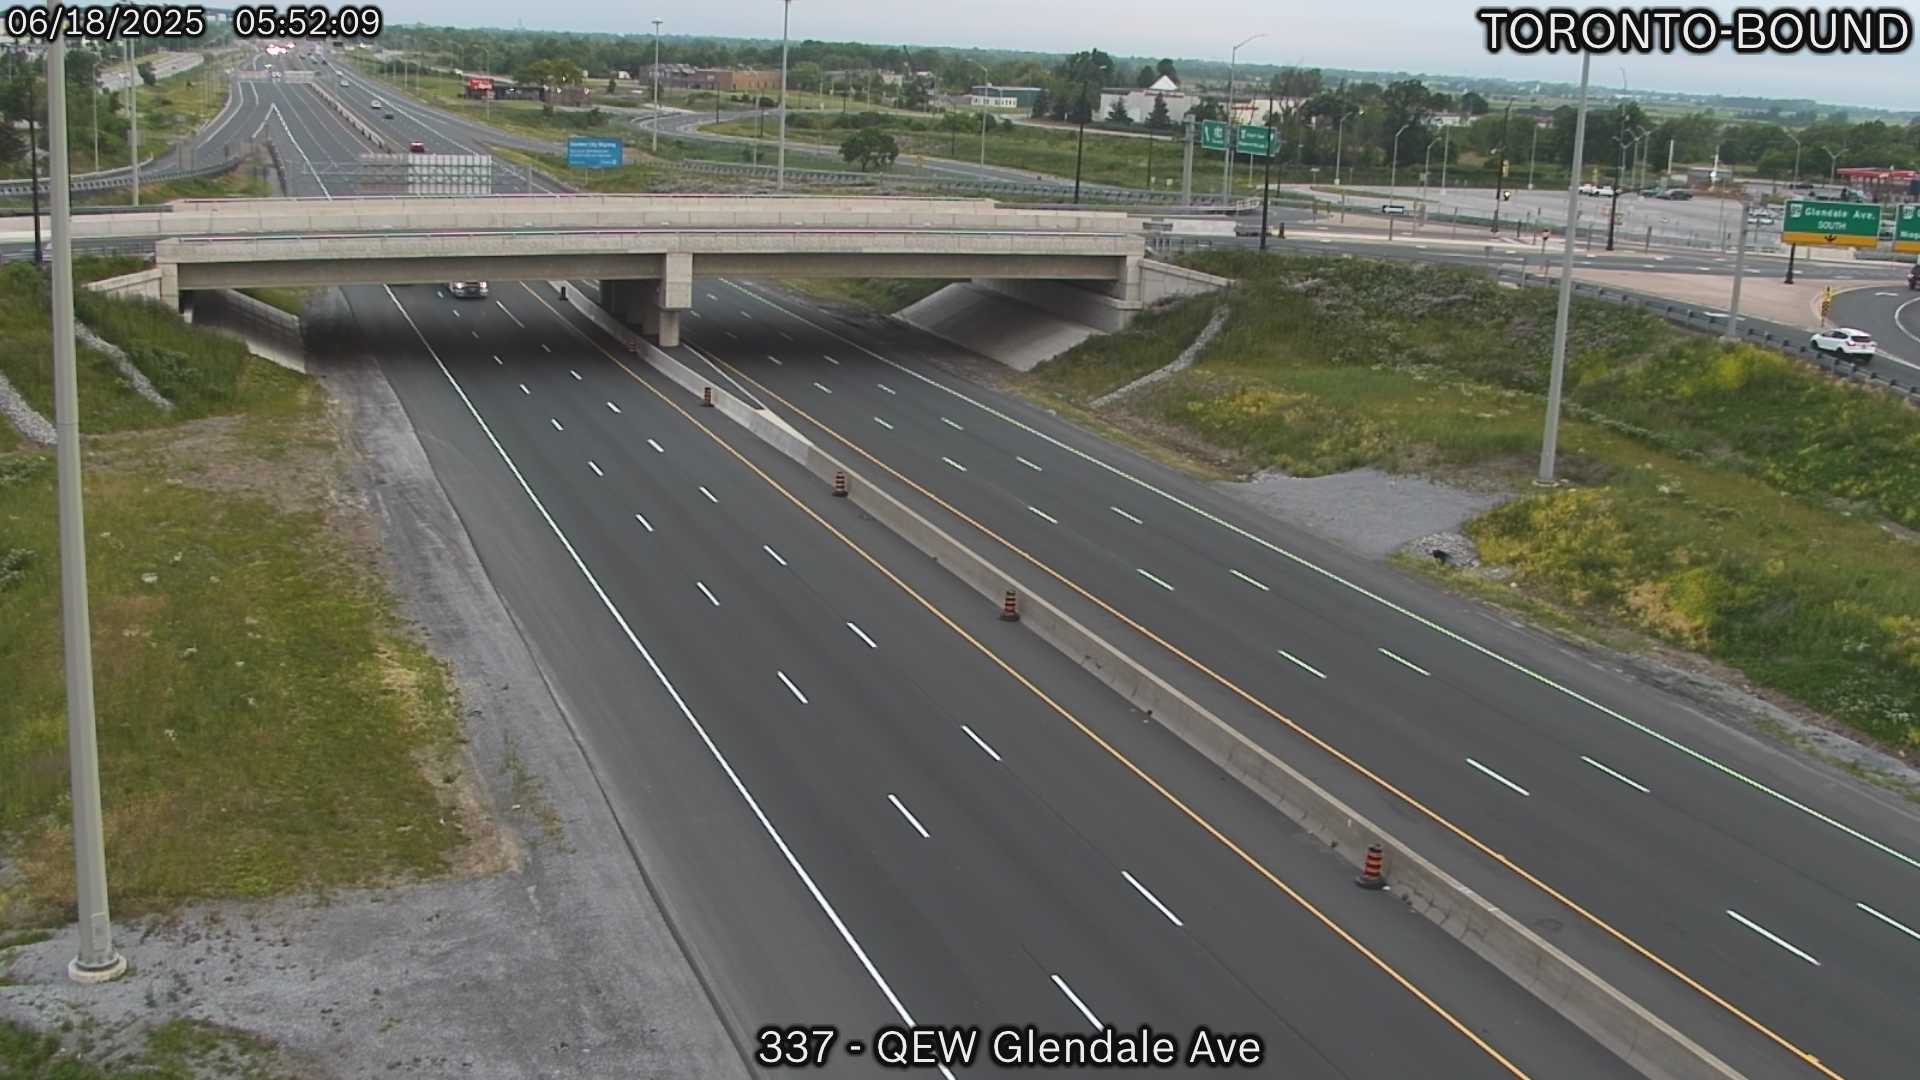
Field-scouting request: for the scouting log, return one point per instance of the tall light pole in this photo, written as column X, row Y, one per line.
column 1426, row 166
column 1796, row 153
column 1226, row 154
column 1393, row 178
column 486, row 65
column 983, row 112
column 656, row 85
column 96, row 960
column 780, row 174
column 1500, row 176
column 1551, row 435
column 1533, row 154
column 1339, row 136
column 133, row 117
column 1833, row 161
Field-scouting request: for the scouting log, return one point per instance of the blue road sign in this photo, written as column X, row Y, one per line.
column 585, row 153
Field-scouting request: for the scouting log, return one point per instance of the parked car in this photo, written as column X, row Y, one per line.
column 468, row 290
column 1676, row 194
column 1604, row 191
column 1589, row 189
column 416, row 147
column 1845, row 343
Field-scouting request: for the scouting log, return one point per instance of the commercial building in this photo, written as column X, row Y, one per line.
column 1140, row 102
column 989, row 96
column 724, row 80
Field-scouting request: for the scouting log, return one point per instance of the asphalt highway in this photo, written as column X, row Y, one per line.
column 1891, row 313
column 1779, row 888
column 863, row 798
column 860, row 811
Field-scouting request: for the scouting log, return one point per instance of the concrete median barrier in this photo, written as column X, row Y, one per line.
column 1651, row 1046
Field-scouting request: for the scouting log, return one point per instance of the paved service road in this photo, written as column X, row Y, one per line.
column 857, row 814
column 1778, row 887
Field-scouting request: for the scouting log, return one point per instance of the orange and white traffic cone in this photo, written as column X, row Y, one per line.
column 1370, row 876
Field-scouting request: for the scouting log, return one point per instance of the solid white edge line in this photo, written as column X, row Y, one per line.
column 980, row 742
column 673, row 692
column 1500, row 778
column 775, row 554
column 708, row 593
column 1077, row 1003
column 1634, row 784
column 1770, row 936
column 1151, row 899
column 1126, row 515
column 591, row 464
column 1256, row 584
column 863, row 635
column 1302, row 664
column 908, row 814
column 1398, row 659
column 708, row 494
column 883, row 423
column 642, row 519
column 1669, row 741
column 794, row 690
column 1153, row 579
column 1029, row 464
column 1044, row 516
column 1890, row 921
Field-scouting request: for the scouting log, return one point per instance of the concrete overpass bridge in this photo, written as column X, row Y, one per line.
column 647, row 250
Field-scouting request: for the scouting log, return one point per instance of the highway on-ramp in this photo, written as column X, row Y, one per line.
column 1786, row 894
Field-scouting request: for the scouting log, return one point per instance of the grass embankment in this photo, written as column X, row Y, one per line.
column 1108, row 160
column 265, row 723
column 879, row 294
column 176, row 1050
column 290, row 300
column 1726, row 499
column 633, row 177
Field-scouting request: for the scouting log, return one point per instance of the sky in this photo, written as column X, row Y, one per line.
column 1384, row 35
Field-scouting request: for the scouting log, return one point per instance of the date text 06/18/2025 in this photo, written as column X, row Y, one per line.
column 801, row 1046
column 114, row 22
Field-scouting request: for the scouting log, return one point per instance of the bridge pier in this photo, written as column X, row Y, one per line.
column 653, row 305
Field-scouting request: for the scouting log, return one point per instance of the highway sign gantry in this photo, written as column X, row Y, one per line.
column 1906, row 229
column 1250, row 139
column 1831, row 224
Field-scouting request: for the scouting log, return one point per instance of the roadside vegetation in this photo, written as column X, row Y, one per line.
column 266, row 724
column 1723, row 499
column 176, row 1050
column 879, row 294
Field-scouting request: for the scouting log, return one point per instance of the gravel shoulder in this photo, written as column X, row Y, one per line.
column 547, row 957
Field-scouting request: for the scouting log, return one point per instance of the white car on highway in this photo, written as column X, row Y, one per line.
column 1845, row 343
column 468, row 290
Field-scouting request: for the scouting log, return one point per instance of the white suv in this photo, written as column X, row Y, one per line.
column 1846, row 343
column 468, row 290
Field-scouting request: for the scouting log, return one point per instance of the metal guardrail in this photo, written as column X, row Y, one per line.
column 121, row 178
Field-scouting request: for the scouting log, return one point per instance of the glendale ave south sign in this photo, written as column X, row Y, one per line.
column 1906, row 230
column 1831, row 224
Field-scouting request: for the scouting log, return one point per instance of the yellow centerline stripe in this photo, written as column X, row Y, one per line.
column 1336, row 752
column 1064, row 713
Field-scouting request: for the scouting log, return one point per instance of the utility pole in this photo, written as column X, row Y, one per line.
column 1500, row 178
column 1186, row 168
column 1266, row 192
column 780, row 176
column 1739, row 273
column 656, row 86
column 96, row 961
column 133, row 117
column 1551, row 435
column 1080, row 150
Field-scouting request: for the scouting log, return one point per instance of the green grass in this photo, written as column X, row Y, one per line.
column 176, row 1050
column 293, row 301
column 1727, row 499
column 633, row 177
column 879, row 294
column 1117, row 161
column 96, row 267
column 107, row 402
column 266, row 724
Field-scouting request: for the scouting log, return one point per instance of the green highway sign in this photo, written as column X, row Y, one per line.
column 1906, row 229
column 1247, row 138
column 1831, row 224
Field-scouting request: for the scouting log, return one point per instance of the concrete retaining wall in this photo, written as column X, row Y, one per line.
column 140, row 283
column 1643, row 1040
column 271, row 334
column 1164, row 281
column 1084, row 306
